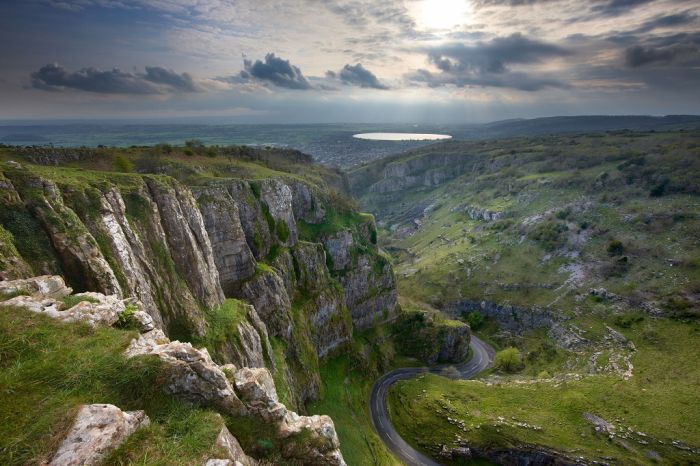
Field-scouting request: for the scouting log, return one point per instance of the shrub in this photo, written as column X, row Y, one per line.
column 659, row 189
column 282, row 231
column 549, row 234
column 475, row 319
column 628, row 319
column 125, row 319
column 122, row 164
column 508, row 360
column 615, row 248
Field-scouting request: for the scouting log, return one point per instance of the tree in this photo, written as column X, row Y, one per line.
column 508, row 360
column 122, row 164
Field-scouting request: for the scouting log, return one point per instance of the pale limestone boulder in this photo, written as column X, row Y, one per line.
column 320, row 445
column 191, row 373
column 98, row 430
column 257, row 389
column 235, row 454
column 47, row 286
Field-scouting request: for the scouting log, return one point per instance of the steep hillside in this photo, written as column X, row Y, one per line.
column 254, row 255
column 582, row 253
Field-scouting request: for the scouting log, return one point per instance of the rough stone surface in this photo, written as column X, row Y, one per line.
column 97, row 309
column 370, row 295
column 98, row 429
column 305, row 204
column 338, row 246
column 235, row 454
column 278, row 198
column 48, row 286
column 191, row 373
column 267, row 293
column 250, row 213
column 232, row 256
column 188, row 240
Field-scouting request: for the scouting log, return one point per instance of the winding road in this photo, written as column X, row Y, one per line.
column 482, row 357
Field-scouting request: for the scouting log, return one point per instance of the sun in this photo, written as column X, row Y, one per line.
column 441, row 14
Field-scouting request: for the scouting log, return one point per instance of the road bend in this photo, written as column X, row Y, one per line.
column 482, row 358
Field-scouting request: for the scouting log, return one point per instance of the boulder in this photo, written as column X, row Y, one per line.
column 191, row 373
column 97, row 430
column 48, row 286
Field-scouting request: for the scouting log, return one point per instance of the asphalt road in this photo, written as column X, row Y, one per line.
column 482, row 357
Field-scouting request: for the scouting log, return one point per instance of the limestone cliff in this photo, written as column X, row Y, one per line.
column 296, row 251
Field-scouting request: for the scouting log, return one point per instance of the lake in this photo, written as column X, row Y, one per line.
column 401, row 136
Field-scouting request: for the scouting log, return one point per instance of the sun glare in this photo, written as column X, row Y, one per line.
column 441, row 14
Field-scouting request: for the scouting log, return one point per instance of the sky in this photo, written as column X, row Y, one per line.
column 322, row 61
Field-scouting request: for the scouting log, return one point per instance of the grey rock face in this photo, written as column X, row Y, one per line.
column 278, row 198
column 127, row 249
column 235, row 454
column 98, row 430
column 370, row 295
column 253, row 222
column 305, row 204
column 80, row 255
column 267, row 293
column 234, row 259
column 188, row 240
column 250, row 346
column 12, row 265
column 454, row 345
column 510, row 318
column 339, row 247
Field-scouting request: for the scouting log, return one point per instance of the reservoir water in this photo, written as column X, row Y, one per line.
column 401, row 136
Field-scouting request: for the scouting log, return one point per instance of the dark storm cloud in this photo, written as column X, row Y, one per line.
column 357, row 75
column 493, row 56
column 156, row 80
column 181, row 82
column 617, row 7
column 668, row 21
column 680, row 50
column 680, row 54
column 275, row 71
column 488, row 63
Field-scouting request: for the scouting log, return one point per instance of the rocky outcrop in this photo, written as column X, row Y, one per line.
column 42, row 295
column 97, row 430
column 192, row 375
column 267, row 293
column 339, row 247
column 47, row 286
column 81, row 258
column 510, row 318
column 277, row 196
column 252, row 217
column 370, row 292
column 325, row 307
column 189, row 243
column 431, row 338
column 235, row 456
column 477, row 213
column 454, row 342
column 246, row 341
column 234, row 259
column 305, row 203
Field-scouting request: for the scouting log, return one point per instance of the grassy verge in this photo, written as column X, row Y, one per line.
column 48, row 369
